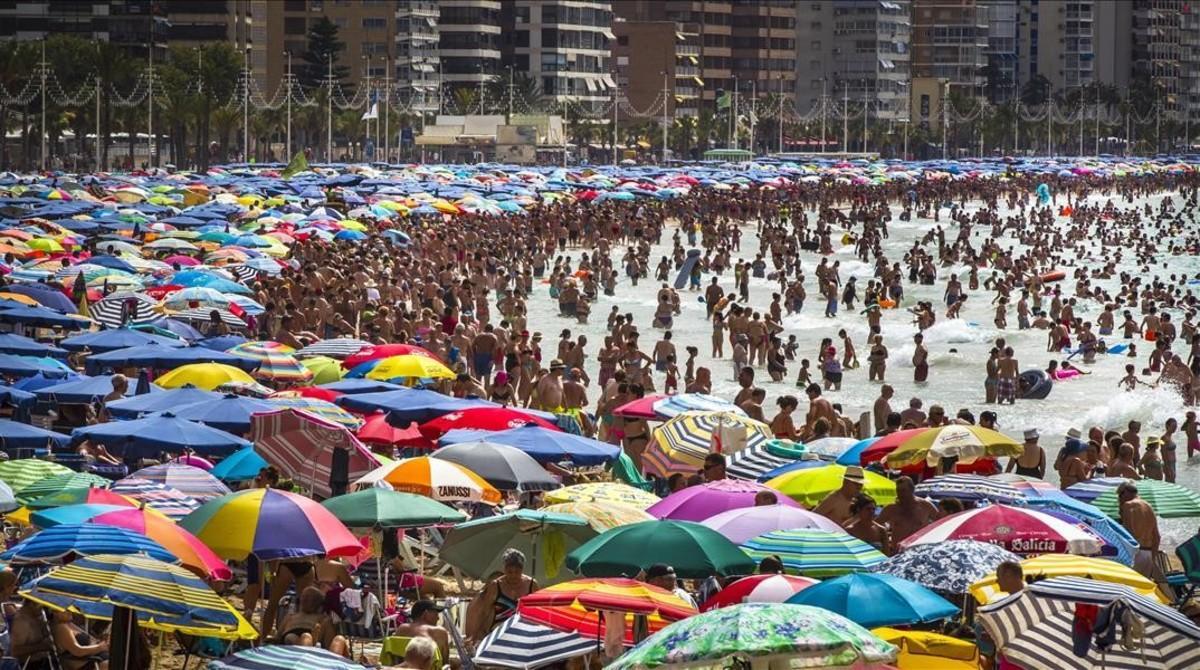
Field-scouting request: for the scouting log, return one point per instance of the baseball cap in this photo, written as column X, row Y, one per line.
column 422, row 606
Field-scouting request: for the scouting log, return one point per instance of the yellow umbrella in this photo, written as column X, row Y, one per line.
column 45, row 244
column 601, row 517
column 207, row 376
column 603, row 493
column 1068, row 565
column 966, row 443
column 411, row 367
column 921, row 650
column 810, row 486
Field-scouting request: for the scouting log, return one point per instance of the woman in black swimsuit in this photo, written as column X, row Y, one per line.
column 498, row 602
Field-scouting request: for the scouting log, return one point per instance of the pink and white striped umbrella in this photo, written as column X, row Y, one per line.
column 302, row 446
column 759, row 589
column 1020, row 530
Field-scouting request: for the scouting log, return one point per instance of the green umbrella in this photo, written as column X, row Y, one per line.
column 22, row 472
column 375, row 507
column 807, row 636
column 477, row 547
column 1170, row 501
column 61, row 482
column 694, row 551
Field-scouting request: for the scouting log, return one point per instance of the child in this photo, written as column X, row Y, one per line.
column 1130, row 380
column 805, row 377
column 791, row 348
column 672, row 383
column 582, row 309
column 1151, row 464
column 741, row 354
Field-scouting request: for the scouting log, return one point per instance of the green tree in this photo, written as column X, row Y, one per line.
column 323, row 47
column 526, row 93
column 1035, row 91
column 17, row 60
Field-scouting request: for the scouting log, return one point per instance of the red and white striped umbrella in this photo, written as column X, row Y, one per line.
column 759, row 589
column 302, row 446
column 1020, row 530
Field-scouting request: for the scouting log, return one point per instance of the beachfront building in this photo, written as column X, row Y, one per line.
column 950, row 41
column 418, row 60
column 563, row 46
column 469, row 44
column 1002, row 75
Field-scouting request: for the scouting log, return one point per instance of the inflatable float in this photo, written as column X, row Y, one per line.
column 1053, row 276
column 1034, row 385
column 885, row 303
column 1062, row 375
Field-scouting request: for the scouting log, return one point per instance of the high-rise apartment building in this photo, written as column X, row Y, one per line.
column 1158, row 50
column 1002, row 74
column 418, row 57
column 563, row 45
column 950, row 42
column 854, row 49
column 131, row 24
column 469, row 44
column 1073, row 43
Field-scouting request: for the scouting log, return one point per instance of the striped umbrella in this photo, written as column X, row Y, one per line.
column 303, row 445
column 60, row 482
column 672, row 406
column 65, row 541
column 283, row 657
column 22, row 472
column 186, row 479
column 602, row 493
column 753, row 462
column 125, row 307
column 173, row 503
column 275, row 361
column 680, row 445
column 969, row 487
column 758, row 589
column 966, row 443
column 441, row 480
column 601, row 517
column 815, row 553
column 524, row 645
column 575, row 606
column 269, row 524
column 948, row 568
column 205, row 314
column 1089, row 490
column 340, row 347
column 1170, row 501
column 1041, row 567
column 164, row 597
column 1035, row 628
column 322, row 409
column 1020, row 530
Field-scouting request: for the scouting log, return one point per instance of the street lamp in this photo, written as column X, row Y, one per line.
column 287, row 153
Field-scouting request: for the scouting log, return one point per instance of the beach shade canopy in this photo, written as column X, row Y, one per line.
column 948, row 568
column 117, row 338
column 376, row 430
column 381, row 508
column 189, row 480
column 79, row 495
column 482, row 418
column 680, row 445
column 873, row 600
column 43, row 318
column 808, row 636
column 434, row 478
column 1021, row 530
column 172, row 503
column 323, row 368
column 672, row 406
column 229, row 412
column 575, row 606
column 284, row 657
column 360, row 386
column 740, row 525
column 66, row 541
column 58, row 483
column 965, row 443
column 506, row 468
column 149, row 403
column 269, row 524
column 207, row 376
column 696, row 552
column 524, row 645
column 602, row 493
column 1122, row 546
column 758, row 589
column 242, row 465
column 28, row 366
column 340, row 347
column 19, row 345
column 18, row 435
column 82, row 391
column 304, row 447
column 1045, row 566
column 321, row 409
column 601, row 516
column 814, row 553
column 410, row 366
column 190, row 551
column 755, row 463
column 809, row 487
column 160, row 432
column 405, row 405
column 830, row 447
column 275, row 362
column 969, row 487
column 70, row 514
column 1034, row 628
column 1169, row 500
column 923, row 650
column 697, row 503
column 477, row 547
column 545, row 446
column 164, row 597
column 382, row 351
column 1088, row 491
column 45, row 295
column 25, row 471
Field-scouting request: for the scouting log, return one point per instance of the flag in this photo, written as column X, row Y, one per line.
column 724, row 102
column 84, row 310
column 237, row 310
column 372, row 113
column 297, row 164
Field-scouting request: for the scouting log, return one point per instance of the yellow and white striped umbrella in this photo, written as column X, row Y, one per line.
column 603, row 493
column 681, row 444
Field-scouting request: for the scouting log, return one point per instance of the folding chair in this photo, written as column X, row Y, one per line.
column 1186, row 582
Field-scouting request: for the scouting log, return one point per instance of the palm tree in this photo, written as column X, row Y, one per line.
column 706, row 128
column 225, row 120
column 526, row 93
column 349, row 125
column 683, row 136
column 466, row 99
column 17, row 60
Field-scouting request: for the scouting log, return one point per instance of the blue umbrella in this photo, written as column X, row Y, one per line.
column 873, row 600
column 28, row 366
column 11, row 343
column 149, row 403
column 46, row 295
column 174, row 326
column 112, row 262
column 142, row 355
column 17, row 435
column 408, row 405
column 221, row 342
column 84, row 539
column 798, row 464
column 545, row 446
column 71, row 514
column 240, row 466
column 42, row 317
column 949, row 568
column 851, row 455
column 41, row 381
column 1120, row 544
column 279, row 657
column 164, row 431
column 81, row 391
column 117, row 338
column 229, row 412
column 23, row 401
column 164, row 358
column 357, row 386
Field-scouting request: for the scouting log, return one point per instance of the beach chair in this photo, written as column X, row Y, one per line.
column 203, row 648
column 1186, row 582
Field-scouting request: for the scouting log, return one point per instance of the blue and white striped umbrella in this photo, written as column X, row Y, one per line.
column 969, row 487
column 1089, row 490
column 753, row 462
column 1034, row 628
column 52, row 545
column 673, row 406
column 283, row 657
column 524, row 645
column 173, row 503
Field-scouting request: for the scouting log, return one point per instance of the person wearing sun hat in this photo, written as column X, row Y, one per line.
column 836, row 505
column 1032, row 461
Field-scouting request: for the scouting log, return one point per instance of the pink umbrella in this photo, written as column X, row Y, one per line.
column 697, row 503
column 179, row 259
column 740, row 525
column 195, row 461
column 302, row 446
column 642, row 408
column 759, row 589
column 1020, row 530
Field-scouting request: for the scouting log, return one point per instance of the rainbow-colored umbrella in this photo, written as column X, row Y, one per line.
column 320, row 408
column 275, row 361
column 191, row 552
column 270, row 524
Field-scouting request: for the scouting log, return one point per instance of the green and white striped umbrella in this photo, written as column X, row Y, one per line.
column 1170, row 501
column 60, row 482
column 22, row 472
column 815, row 553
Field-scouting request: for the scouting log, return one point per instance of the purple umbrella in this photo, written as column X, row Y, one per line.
column 697, row 503
column 743, row 524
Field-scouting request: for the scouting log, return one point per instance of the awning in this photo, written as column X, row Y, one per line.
column 695, row 61
column 681, row 37
column 608, row 33
column 430, row 22
column 887, row 64
column 698, row 80
column 591, row 84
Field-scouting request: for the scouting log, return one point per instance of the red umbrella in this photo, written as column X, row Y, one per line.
column 379, row 351
column 642, row 408
column 309, row 392
column 758, row 589
column 482, row 418
column 160, row 292
column 376, row 430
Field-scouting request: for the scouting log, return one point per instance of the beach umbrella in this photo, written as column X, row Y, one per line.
column 405, row 405
column 160, row 432
column 873, row 600
column 118, row 310
column 758, row 589
column 376, row 430
column 43, row 317
column 360, row 386
column 1087, row 491
column 186, row 479
column 814, row 553
column 670, row 407
column 575, row 606
column 70, row 514
column 831, row 447
column 601, row 517
column 697, row 503
column 172, row 503
column 1021, row 530
column 476, row 547
column 506, row 468
column 18, row 474
column 382, row 508
column 8, row 500
column 680, row 445
column 964, row 443
column 696, row 552
column 323, row 368
column 543, row 444
column 434, row 478
column 206, row 376
column 340, row 347
column 19, row 345
column 275, row 362
column 482, row 418
column 1169, row 500
column 228, row 412
column 1035, row 628
column 119, row 338
column 79, row 495
column 242, row 465
column 409, row 366
column 322, row 409
column 269, row 524
column 949, row 568
column 61, row 543
column 923, row 650
column 754, row 463
column 807, row 636
column 381, row 351
column 305, row 447
column 46, row 295
column 18, row 435
column 1122, row 546
column 164, row 597
column 1045, row 566
column 27, row 366
column 969, row 487
column 809, row 487
column 190, row 551
column 56, row 483
column 82, row 390
column 602, row 493
column 524, row 645
column 641, row 408
column 742, row 524
column 283, row 657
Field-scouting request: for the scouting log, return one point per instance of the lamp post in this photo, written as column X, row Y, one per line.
column 42, row 71
column 665, row 121
column 246, row 104
column 287, row 152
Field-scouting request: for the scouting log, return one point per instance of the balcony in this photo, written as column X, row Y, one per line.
column 687, row 71
column 687, row 50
